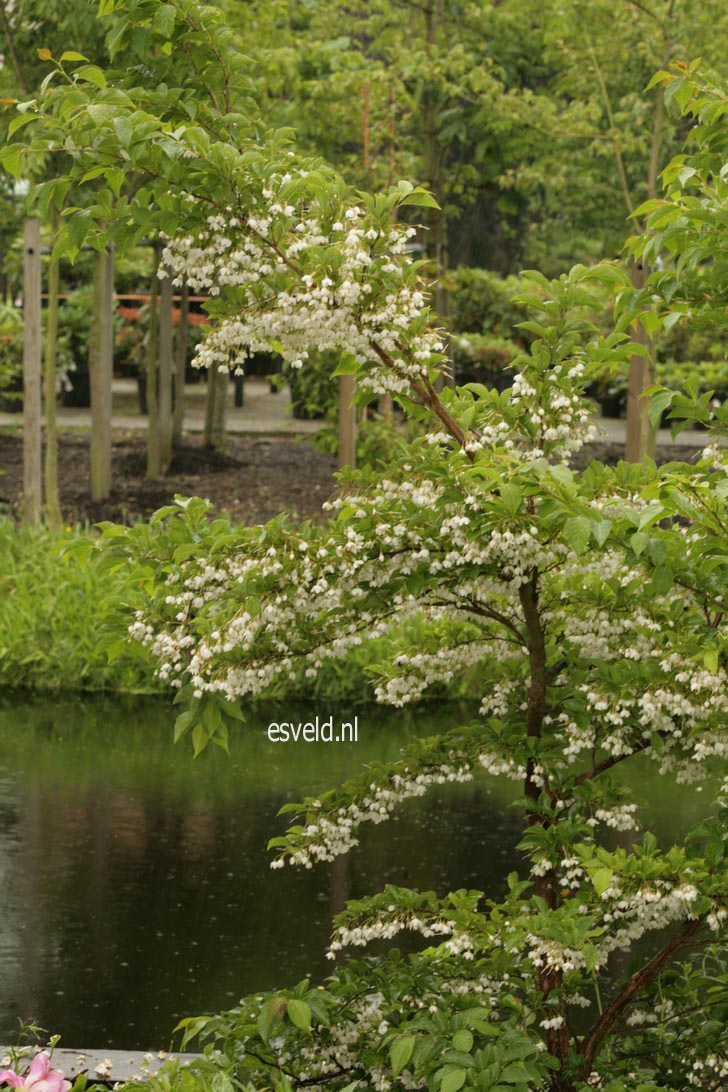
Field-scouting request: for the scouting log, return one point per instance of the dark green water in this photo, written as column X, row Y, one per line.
column 135, row 885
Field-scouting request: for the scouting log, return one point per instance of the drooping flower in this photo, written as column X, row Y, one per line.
column 39, row 1078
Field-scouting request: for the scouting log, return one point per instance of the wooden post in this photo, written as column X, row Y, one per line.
column 52, row 501
column 101, row 371
column 183, row 331
column 32, row 481
column 166, row 305
column 347, row 421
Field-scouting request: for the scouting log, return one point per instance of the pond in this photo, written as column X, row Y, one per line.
column 135, row 886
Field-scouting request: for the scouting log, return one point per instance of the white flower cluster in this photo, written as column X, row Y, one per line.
column 330, row 835
column 385, row 928
column 627, row 918
column 305, row 280
column 556, row 415
column 620, row 817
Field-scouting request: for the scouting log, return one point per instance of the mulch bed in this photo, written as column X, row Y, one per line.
column 610, row 454
column 255, row 480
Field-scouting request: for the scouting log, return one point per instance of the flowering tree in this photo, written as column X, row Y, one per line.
column 594, row 618
column 591, row 605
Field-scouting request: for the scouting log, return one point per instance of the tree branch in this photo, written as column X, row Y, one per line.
column 592, row 1041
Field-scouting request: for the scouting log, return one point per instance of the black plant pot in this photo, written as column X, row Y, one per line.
column 13, row 404
column 79, row 394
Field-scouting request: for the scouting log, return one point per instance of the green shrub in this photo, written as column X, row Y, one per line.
column 49, row 631
column 482, row 302
column 11, row 350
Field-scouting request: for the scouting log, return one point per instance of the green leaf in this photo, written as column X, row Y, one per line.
column 663, row 580
column 182, row 724
column 12, row 158
column 200, row 739
column 453, row 1080
column 78, row 227
column 638, row 542
column 164, row 20
column 591, row 956
column 710, row 659
column 601, row 530
column 420, row 199
column 91, row 73
column 400, row 1052
column 72, row 55
column 123, row 129
column 515, row 1073
column 658, row 404
column 602, row 879
column 299, row 1014
column 512, row 497
column 348, row 365
column 577, row 532
column 563, row 475
column 267, row 1016
column 463, row 1040
column 19, row 122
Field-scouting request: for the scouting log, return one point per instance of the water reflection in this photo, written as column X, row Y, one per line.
column 135, row 885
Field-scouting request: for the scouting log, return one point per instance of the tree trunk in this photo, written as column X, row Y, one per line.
column 215, row 408
column 32, row 481
column 153, row 452
column 166, row 305
column 181, row 366
column 432, row 153
column 640, row 443
column 101, row 369
column 52, row 501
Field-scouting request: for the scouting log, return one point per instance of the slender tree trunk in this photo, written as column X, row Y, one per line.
column 166, row 305
column 641, row 436
column 215, row 409
column 153, row 452
column 101, row 370
column 557, row 1039
column 32, row 478
column 437, row 249
column 181, row 366
column 52, row 501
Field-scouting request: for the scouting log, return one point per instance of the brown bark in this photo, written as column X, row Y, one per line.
column 593, row 1040
column 215, row 407
column 640, row 443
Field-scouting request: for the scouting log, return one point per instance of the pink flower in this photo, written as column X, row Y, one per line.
column 39, row 1078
